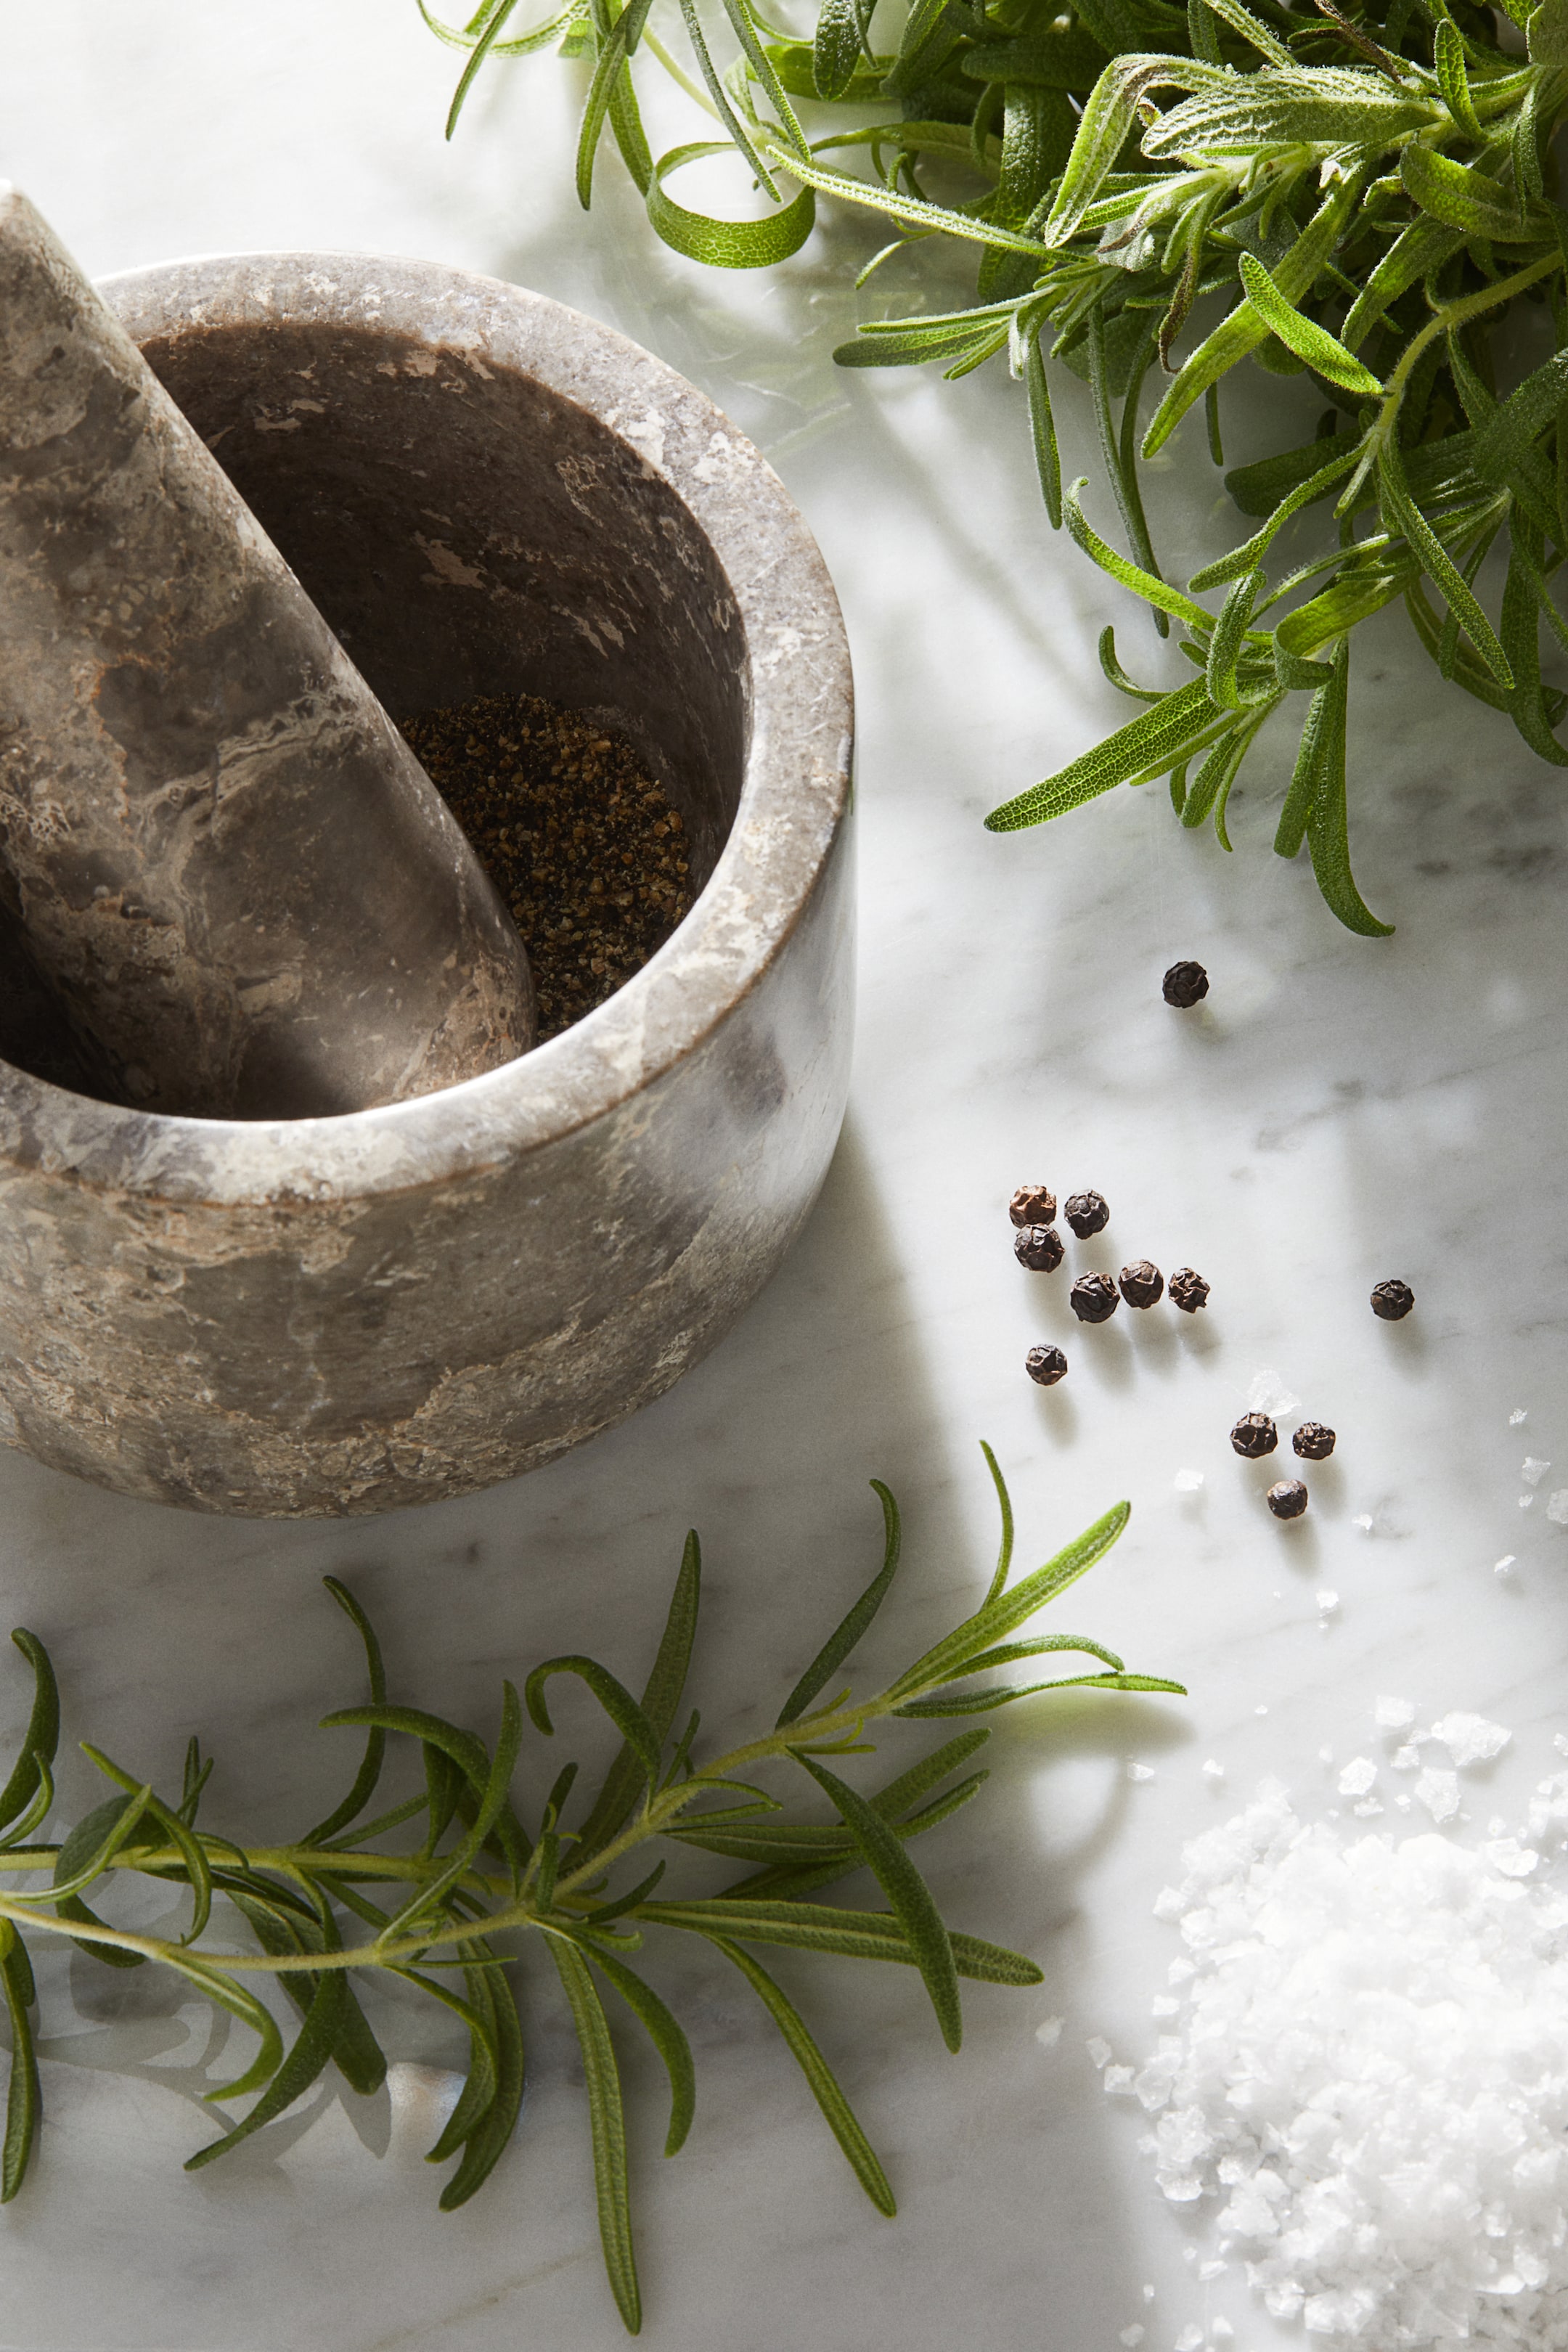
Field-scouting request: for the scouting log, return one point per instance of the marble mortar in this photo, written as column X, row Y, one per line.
column 485, row 493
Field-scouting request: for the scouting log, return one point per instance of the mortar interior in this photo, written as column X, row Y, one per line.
column 466, row 530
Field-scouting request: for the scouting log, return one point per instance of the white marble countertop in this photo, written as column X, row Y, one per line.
column 1338, row 1111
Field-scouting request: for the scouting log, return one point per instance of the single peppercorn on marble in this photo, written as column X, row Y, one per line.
column 1184, row 985
column 1288, row 1500
column 1313, row 1442
column 1189, row 1291
column 1254, row 1436
column 1046, row 1365
column 1039, row 1247
column 1033, row 1204
column 1093, row 1299
column 1391, row 1301
column 1142, row 1284
column 1088, row 1213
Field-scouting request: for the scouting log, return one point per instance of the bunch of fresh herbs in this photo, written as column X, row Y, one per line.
column 1361, row 193
column 450, row 1913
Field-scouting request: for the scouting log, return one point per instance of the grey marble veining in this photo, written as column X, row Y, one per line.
column 1341, row 1110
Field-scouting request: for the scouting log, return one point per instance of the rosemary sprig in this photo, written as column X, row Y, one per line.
column 1360, row 195
column 460, row 1903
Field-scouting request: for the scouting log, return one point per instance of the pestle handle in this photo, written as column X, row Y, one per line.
column 217, row 854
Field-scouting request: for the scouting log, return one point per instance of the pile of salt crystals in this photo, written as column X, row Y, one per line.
column 1371, row 2075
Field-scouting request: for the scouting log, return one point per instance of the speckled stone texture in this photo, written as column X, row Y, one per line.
column 485, row 493
column 220, row 865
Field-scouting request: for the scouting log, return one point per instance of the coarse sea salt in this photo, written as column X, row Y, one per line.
column 1471, row 1738
column 1368, row 2077
column 1269, row 1394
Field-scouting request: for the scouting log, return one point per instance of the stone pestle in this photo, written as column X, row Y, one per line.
column 227, row 887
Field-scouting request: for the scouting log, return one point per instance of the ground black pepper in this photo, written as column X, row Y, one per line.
column 1039, row 1247
column 1255, row 1435
column 1189, row 1290
column 1313, row 1442
column 1047, row 1365
column 1184, row 985
column 1142, row 1284
column 1391, row 1300
column 581, row 843
column 1093, row 1297
column 1033, row 1204
column 1288, row 1500
column 1087, row 1213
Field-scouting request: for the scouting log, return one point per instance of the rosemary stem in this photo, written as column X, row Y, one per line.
column 677, row 73
column 1442, row 322
column 829, row 1726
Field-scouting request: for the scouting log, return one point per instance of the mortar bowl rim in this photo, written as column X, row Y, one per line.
column 793, row 797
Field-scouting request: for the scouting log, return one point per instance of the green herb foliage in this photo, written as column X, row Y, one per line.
column 450, row 1910
column 1359, row 195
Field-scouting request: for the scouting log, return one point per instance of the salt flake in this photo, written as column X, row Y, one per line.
column 1098, row 2050
column 1532, row 1470
column 1507, row 1855
column 1471, row 1738
column 1520, row 1413
column 1213, row 1769
column 1557, row 1508
column 1132, row 2336
column 1187, row 1482
column 1328, row 1602
column 1269, row 1394
column 1438, row 1791
column 1394, row 1714
column 1140, row 1771
column 1357, row 1777
column 1048, row 2031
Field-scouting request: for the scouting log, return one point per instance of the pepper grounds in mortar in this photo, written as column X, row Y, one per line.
column 577, row 837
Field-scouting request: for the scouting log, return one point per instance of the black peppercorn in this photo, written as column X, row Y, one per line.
column 1184, row 985
column 1391, row 1300
column 1039, row 1247
column 1189, row 1290
column 1142, row 1283
column 1087, row 1213
column 1312, row 1441
column 1255, row 1435
column 1288, row 1500
column 1047, row 1365
column 1093, row 1297
column 1032, row 1204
